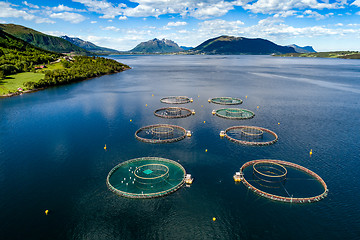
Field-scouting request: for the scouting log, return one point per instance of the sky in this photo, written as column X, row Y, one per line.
column 327, row 25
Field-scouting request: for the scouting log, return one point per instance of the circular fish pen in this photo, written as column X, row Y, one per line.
column 173, row 112
column 251, row 135
column 235, row 113
column 283, row 181
column 160, row 133
column 226, row 100
column 175, row 100
column 146, row 177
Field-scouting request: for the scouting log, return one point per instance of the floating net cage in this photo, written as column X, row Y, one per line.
column 173, row 112
column 175, row 100
column 251, row 135
column 226, row 100
column 235, row 113
column 146, row 177
column 160, row 133
column 283, row 181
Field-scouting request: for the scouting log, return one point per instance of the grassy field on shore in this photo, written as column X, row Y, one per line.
column 12, row 82
column 337, row 54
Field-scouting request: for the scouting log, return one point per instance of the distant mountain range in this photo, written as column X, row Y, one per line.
column 89, row 46
column 239, row 45
column 157, row 46
column 306, row 49
column 42, row 40
column 219, row 45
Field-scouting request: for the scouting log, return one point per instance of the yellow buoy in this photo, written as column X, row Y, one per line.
column 278, row 123
column 130, row 120
column 152, row 95
column 204, row 121
column 46, row 212
column 214, row 219
column 202, row 105
column 310, row 152
column 245, row 96
column 257, row 106
column 205, row 150
column 105, row 147
column 198, row 95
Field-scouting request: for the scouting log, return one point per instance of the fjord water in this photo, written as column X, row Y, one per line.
column 52, row 151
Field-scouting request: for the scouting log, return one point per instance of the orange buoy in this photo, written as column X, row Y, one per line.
column 105, row 147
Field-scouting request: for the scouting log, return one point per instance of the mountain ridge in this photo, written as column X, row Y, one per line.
column 157, row 46
column 89, row 46
column 42, row 40
column 230, row 45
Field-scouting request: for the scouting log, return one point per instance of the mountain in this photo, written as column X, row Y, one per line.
column 89, row 46
column 157, row 46
column 240, row 45
column 186, row 48
column 306, row 49
column 42, row 40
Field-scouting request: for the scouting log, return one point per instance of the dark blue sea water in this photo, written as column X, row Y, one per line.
column 52, row 151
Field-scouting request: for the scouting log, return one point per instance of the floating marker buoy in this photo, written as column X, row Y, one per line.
column 204, row 121
column 310, row 152
column 46, row 212
column 198, row 95
column 130, row 120
column 209, row 100
column 152, row 95
column 145, row 105
column 214, row 219
column 105, row 147
column 205, row 150
column 257, row 106
column 245, row 96
column 202, row 106
column 278, row 123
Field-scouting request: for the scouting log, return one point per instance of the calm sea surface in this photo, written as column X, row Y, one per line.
column 52, row 156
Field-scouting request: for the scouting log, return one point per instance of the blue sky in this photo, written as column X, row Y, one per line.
column 327, row 25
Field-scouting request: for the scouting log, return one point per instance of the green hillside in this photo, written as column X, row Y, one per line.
column 42, row 40
column 17, row 55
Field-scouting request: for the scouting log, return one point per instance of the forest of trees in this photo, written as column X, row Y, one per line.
column 80, row 69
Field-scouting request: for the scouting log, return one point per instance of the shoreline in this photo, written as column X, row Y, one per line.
column 39, row 89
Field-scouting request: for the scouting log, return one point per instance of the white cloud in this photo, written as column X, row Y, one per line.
column 358, row 13
column 275, row 6
column 313, row 14
column 285, row 14
column 111, row 28
column 63, row 8
column 68, row 16
column 339, row 25
column 356, row 3
column 103, row 7
column 219, row 27
column 92, row 22
column 30, row 5
column 176, row 24
column 201, row 9
column 123, row 18
column 6, row 11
